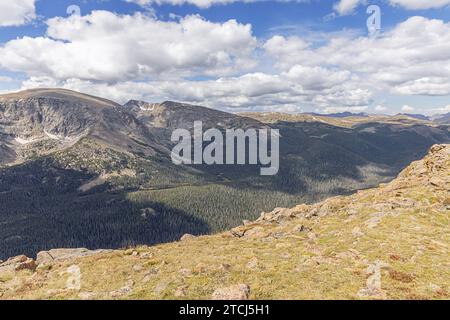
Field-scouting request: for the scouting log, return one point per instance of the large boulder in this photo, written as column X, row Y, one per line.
column 236, row 292
column 187, row 237
column 18, row 263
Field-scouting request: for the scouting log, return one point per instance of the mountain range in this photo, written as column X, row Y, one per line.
column 84, row 171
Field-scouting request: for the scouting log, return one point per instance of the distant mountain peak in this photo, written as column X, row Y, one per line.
column 415, row 116
column 344, row 114
column 142, row 105
column 442, row 118
column 60, row 94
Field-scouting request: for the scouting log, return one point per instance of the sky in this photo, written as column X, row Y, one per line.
column 235, row 55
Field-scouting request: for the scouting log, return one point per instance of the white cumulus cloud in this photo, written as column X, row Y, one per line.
column 16, row 12
column 420, row 4
column 223, row 65
column 345, row 7
column 412, row 59
column 105, row 46
column 200, row 3
column 407, row 108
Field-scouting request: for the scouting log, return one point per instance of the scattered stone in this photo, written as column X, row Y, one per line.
column 161, row 286
column 187, row 237
column 281, row 245
column 200, row 268
column 256, row 232
column 301, row 228
column 237, row 232
column 138, row 268
column 147, row 278
column 126, row 289
column 128, row 252
column 87, row 295
column 146, row 255
column 43, row 267
column 374, row 221
column 312, row 236
column 278, row 235
column 286, row 255
column 152, row 271
column 236, row 292
column 54, row 292
column 437, row 182
column 186, row 272
column 265, row 217
column 252, row 264
column 435, row 288
column 356, row 232
column 225, row 267
column 28, row 264
column 181, row 291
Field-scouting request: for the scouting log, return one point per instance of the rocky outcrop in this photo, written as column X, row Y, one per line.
column 48, row 257
column 18, row 263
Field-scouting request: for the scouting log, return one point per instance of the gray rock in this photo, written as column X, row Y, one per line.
column 187, row 237
column 236, row 292
column 252, row 264
column 48, row 257
column 18, row 263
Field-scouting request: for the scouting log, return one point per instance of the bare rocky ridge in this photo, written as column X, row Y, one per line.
column 442, row 118
column 388, row 242
column 174, row 115
column 162, row 118
column 48, row 120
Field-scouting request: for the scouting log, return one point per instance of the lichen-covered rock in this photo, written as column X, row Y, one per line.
column 236, row 292
column 18, row 263
column 48, row 257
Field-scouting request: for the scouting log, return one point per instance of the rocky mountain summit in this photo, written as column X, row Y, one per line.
column 43, row 121
column 389, row 242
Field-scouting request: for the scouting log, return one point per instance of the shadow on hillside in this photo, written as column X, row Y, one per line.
column 31, row 222
column 315, row 156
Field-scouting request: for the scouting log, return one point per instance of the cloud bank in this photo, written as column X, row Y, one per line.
column 17, row 12
column 345, row 7
column 224, row 65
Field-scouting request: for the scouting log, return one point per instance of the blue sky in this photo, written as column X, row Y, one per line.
column 289, row 56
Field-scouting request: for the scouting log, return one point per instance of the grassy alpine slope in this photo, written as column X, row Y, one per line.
column 389, row 242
